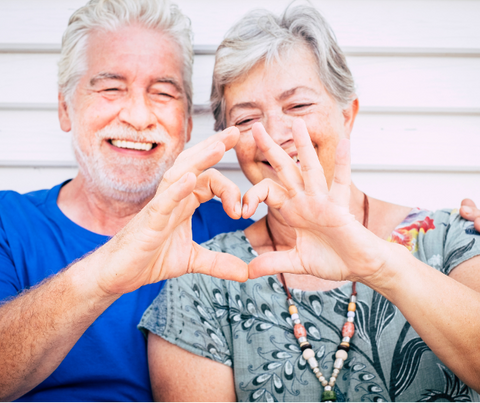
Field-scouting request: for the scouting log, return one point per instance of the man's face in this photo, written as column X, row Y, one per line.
column 129, row 112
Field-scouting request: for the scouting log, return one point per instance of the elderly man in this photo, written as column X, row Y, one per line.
column 125, row 92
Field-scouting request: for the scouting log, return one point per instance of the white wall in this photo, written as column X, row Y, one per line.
column 416, row 63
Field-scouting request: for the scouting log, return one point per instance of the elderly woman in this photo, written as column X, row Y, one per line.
column 378, row 301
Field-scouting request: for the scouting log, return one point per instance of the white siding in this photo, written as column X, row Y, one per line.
column 416, row 63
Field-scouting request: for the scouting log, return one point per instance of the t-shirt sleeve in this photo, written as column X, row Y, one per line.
column 453, row 241
column 191, row 313
column 462, row 242
column 9, row 283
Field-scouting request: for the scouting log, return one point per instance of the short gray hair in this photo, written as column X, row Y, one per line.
column 110, row 15
column 261, row 36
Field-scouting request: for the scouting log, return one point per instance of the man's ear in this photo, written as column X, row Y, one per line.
column 349, row 114
column 63, row 116
column 189, row 129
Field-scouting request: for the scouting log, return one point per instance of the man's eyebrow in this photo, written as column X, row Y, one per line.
column 169, row 80
column 288, row 93
column 106, row 76
column 243, row 105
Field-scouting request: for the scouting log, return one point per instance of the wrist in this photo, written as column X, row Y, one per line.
column 385, row 275
column 85, row 277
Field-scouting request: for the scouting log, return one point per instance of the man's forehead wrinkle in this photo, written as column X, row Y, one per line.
column 106, row 76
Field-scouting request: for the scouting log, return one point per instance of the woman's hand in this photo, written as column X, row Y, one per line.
column 157, row 244
column 330, row 243
column 470, row 212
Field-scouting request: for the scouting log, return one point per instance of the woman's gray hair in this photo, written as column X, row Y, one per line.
column 262, row 36
column 110, row 15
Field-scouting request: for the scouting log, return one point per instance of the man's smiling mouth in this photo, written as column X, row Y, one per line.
column 132, row 145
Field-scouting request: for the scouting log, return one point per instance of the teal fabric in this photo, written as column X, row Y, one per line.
column 247, row 326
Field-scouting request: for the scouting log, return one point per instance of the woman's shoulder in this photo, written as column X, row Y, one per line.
column 235, row 243
column 441, row 238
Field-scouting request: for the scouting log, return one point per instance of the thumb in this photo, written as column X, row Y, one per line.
column 217, row 264
column 268, row 264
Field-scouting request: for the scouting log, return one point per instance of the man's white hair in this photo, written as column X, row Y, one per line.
column 109, row 15
column 262, row 36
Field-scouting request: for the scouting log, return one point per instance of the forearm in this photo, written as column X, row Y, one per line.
column 39, row 327
column 442, row 311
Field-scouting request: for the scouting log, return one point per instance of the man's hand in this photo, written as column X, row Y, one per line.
column 39, row 327
column 157, row 244
column 470, row 212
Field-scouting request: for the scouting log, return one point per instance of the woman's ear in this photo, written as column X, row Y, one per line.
column 63, row 116
column 349, row 114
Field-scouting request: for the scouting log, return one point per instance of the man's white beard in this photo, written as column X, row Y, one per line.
column 101, row 173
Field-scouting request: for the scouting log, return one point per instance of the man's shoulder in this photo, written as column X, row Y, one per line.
column 14, row 199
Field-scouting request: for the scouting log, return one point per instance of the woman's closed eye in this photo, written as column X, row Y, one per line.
column 299, row 107
column 246, row 122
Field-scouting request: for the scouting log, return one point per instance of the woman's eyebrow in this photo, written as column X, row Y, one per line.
column 288, row 93
column 243, row 105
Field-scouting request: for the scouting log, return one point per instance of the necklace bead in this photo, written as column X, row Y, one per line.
column 352, row 306
column 344, row 347
column 305, row 345
column 329, row 396
column 308, row 353
column 299, row 331
column 348, row 330
column 341, row 354
column 312, row 362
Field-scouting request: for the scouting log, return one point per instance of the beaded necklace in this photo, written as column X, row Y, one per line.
column 348, row 329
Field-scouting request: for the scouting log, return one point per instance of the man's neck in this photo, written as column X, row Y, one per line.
column 93, row 211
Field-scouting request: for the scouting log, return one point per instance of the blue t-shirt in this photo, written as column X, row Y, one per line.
column 109, row 362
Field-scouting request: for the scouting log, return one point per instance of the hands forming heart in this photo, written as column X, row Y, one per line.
column 330, row 242
column 157, row 244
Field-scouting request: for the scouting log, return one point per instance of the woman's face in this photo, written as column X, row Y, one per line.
column 275, row 95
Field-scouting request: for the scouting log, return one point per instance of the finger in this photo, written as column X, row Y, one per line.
column 312, row 170
column 196, row 164
column 162, row 205
column 217, row 264
column 476, row 223
column 266, row 191
column 229, row 137
column 212, row 183
column 280, row 161
column 271, row 263
column 340, row 188
column 469, row 210
column 469, row 202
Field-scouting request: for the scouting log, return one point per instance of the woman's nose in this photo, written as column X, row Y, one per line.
column 279, row 127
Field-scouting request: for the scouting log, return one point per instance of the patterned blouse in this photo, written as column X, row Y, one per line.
column 247, row 326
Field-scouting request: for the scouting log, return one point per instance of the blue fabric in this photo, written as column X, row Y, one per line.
column 109, row 362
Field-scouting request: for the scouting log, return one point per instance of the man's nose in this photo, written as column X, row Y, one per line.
column 138, row 112
column 279, row 127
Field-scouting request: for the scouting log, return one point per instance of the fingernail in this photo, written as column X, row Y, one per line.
column 466, row 209
column 238, row 208
column 245, row 209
